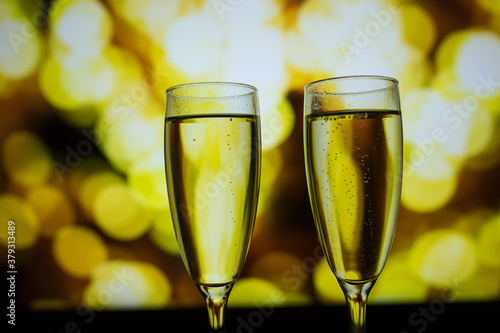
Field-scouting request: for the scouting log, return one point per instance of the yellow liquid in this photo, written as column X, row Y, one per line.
column 213, row 173
column 353, row 162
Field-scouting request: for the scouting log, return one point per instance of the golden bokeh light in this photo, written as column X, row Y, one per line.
column 269, row 59
column 83, row 27
column 419, row 28
column 397, row 285
column 488, row 240
column 27, row 225
column 127, row 285
column 119, row 214
column 326, row 286
column 253, row 291
column 438, row 141
column 53, row 208
column 78, row 249
column 432, row 126
column 129, row 87
column 448, row 49
column 491, row 6
column 433, row 175
column 473, row 69
column 33, row 166
column 184, row 44
column 153, row 17
column 472, row 75
column 97, row 70
column 147, row 179
column 257, row 12
column 73, row 82
column 132, row 137
column 444, row 82
column 227, row 42
column 75, row 178
column 92, row 186
column 276, row 124
column 443, row 256
column 20, row 48
column 51, row 72
column 480, row 138
column 162, row 232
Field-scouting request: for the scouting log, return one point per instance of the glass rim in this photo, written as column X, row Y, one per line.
column 250, row 90
column 350, row 77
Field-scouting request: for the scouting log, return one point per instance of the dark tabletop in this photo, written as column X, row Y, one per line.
column 436, row 316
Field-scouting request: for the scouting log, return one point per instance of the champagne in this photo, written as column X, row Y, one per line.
column 353, row 169
column 216, row 163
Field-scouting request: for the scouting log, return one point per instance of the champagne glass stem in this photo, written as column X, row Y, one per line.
column 216, row 299
column 356, row 296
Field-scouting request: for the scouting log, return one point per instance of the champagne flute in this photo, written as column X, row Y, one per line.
column 354, row 153
column 212, row 160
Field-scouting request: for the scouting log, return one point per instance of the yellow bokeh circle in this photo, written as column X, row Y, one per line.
column 424, row 195
column 492, row 6
column 468, row 70
column 20, row 48
column 251, row 291
column 26, row 222
column 429, row 180
column 449, row 48
column 71, row 83
column 127, row 285
column 277, row 124
column 478, row 72
column 396, row 284
column 326, row 285
column 129, row 137
column 443, row 257
column 183, row 44
column 78, row 249
column 418, row 27
column 118, row 213
column 26, row 159
column 83, row 26
column 147, row 180
column 50, row 83
column 162, row 232
column 53, row 207
column 92, row 186
column 488, row 240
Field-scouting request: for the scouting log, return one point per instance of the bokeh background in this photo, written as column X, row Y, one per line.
column 81, row 143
